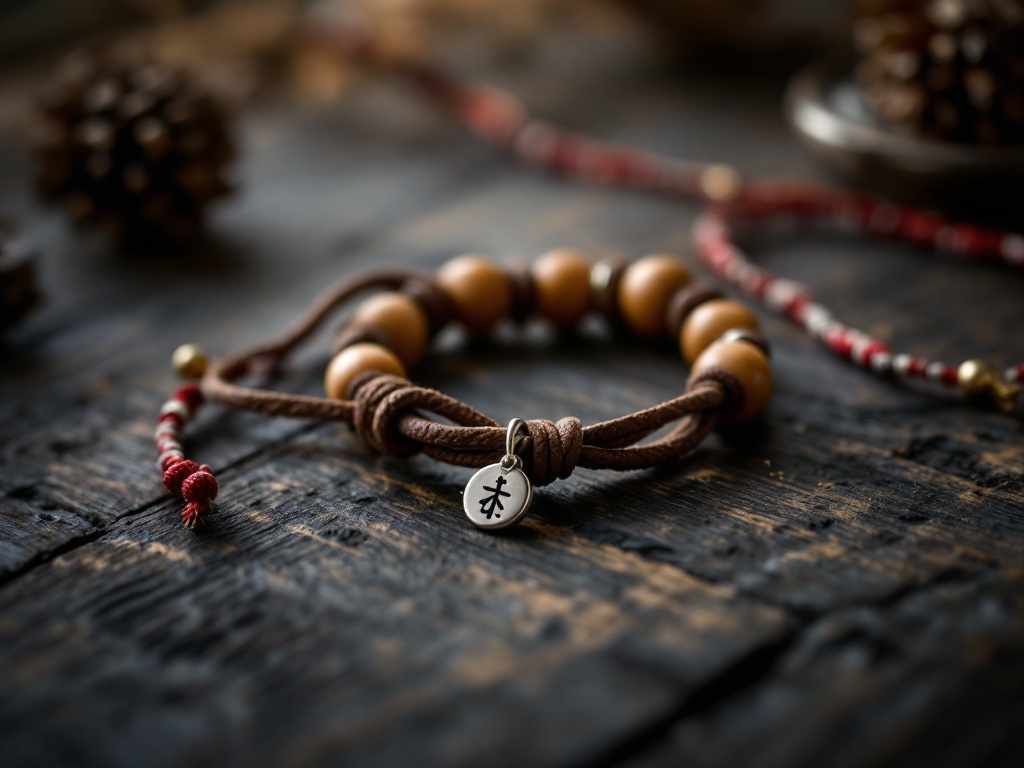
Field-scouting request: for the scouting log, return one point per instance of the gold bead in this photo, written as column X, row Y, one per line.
column 190, row 361
column 720, row 182
column 976, row 377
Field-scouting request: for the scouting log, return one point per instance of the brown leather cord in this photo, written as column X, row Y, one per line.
column 393, row 416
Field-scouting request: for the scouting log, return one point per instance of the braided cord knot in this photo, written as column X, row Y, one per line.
column 556, row 449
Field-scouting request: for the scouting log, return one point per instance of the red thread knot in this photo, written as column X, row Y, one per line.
column 195, row 514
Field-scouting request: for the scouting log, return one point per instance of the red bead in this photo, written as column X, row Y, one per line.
column 177, row 473
column 796, row 307
column 199, row 487
column 874, row 348
column 190, row 395
column 169, row 461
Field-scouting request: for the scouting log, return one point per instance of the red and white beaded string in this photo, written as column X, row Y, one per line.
column 763, row 206
column 183, row 477
column 499, row 118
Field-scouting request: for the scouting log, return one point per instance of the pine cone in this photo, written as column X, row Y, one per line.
column 18, row 290
column 131, row 144
column 949, row 69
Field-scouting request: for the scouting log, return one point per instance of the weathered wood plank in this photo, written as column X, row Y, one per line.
column 899, row 684
column 413, row 619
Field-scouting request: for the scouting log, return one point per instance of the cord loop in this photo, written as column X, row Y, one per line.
column 729, row 383
column 556, row 449
column 379, row 404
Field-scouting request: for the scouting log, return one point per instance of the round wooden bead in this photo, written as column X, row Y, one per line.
column 709, row 321
column 645, row 290
column 479, row 290
column 402, row 321
column 357, row 359
column 561, row 281
column 748, row 364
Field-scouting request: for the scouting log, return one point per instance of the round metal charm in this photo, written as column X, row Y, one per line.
column 498, row 495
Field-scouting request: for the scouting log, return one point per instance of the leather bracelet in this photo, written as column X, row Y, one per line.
column 367, row 388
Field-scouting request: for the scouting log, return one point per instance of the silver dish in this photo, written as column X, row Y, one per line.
column 825, row 108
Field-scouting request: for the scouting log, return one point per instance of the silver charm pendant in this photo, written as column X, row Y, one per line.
column 499, row 495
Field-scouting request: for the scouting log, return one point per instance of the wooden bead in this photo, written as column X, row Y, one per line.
column 562, row 284
column 480, row 291
column 645, row 290
column 402, row 321
column 357, row 359
column 748, row 364
column 709, row 321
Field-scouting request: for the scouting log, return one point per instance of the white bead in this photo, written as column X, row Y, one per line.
column 165, row 428
column 164, row 456
column 168, row 444
column 934, row 371
column 900, row 363
column 881, row 362
column 860, row 343
column 176, row 407
column 817, row 320
column 781, row 292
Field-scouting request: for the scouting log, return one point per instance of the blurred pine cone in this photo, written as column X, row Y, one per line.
column 131, row 144
column 949, row 69
column 19, row 292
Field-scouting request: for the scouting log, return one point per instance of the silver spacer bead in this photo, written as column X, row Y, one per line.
column 750, row 337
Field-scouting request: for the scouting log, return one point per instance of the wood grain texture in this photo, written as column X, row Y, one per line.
column 840, row 585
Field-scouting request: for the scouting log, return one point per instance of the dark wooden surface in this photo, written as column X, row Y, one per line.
column 841, row 586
